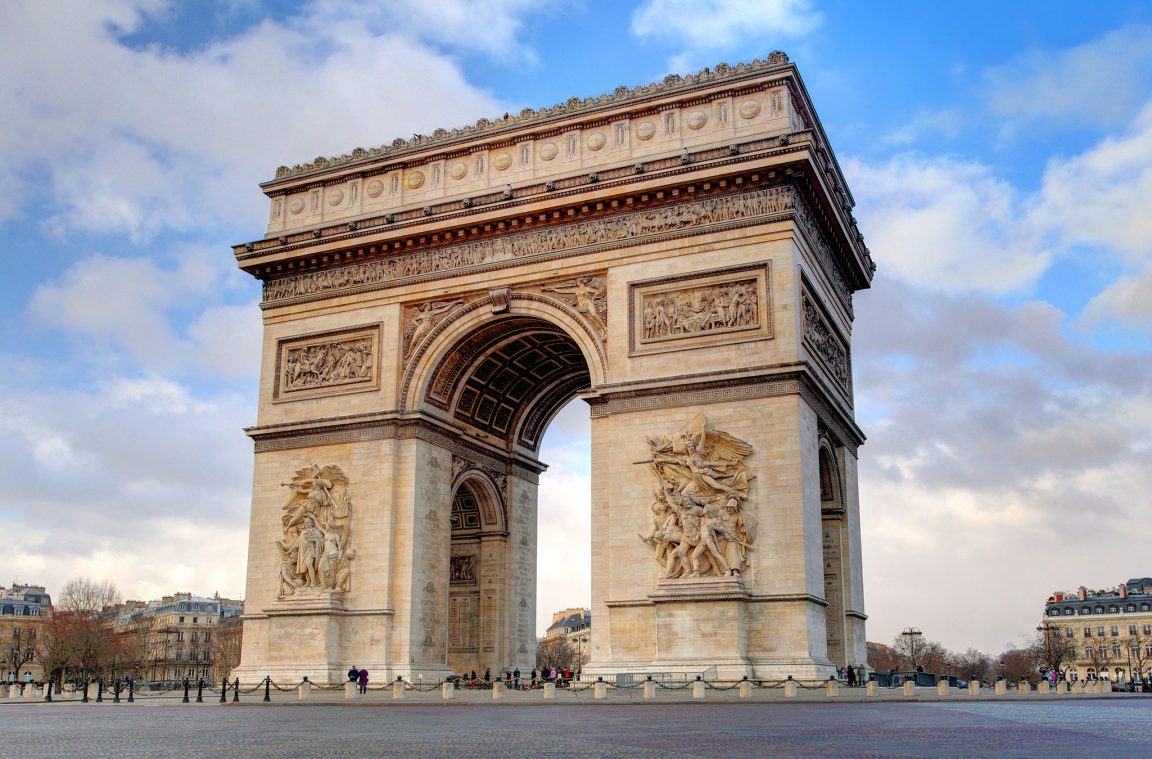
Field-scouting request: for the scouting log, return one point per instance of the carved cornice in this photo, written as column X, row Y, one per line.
column 387, row 426
column 751, row 384
column 720, row 211
column 671, row 85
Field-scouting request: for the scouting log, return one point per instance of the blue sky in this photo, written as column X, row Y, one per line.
column 1000, row 155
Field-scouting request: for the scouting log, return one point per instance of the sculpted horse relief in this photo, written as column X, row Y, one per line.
column 699, row 525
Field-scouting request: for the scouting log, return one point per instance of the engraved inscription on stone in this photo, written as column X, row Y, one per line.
column 703, row 308
column 699, row 525
column 322, row 364
column 462, row 622
column 820, row 338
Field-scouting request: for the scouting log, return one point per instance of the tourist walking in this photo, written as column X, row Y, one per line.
column 362, row 679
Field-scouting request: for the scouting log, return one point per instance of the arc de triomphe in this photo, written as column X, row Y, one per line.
column 682, row 256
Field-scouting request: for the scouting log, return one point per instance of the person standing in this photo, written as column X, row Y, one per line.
column 362, row 679
column 851, row 677
column 516, row 678
column 353, row 674
column 487, row 676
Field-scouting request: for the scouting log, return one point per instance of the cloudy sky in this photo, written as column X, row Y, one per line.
column 1001, row 154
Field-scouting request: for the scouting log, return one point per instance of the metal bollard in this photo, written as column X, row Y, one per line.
column 224, row 689
column 200, row 690
column 236, row 691
column 131, row 688
column 116, row 692
column 267, row 688
column 100, row 691
column 185, row 690
column 48, row 691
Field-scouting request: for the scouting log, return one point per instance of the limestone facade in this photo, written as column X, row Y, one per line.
column 683, row 257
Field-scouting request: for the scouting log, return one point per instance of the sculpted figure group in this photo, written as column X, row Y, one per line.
column 316, row 552
column 328, row 364
column 701, row 309
column 699, row 527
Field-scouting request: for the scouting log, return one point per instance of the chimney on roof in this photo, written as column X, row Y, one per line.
column 1123, row 590
column 1082, row 593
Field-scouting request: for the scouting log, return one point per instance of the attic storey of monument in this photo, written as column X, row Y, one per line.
column 682, row 256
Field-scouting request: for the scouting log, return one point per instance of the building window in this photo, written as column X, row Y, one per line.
column 1145, row 607
column 207, row 636
column 179, row 636
column 1069, row 632
column 1148, row 629
column 1115, row 650
column 195, row 620
column 1115, row 630
column 1068, row 611
column 1113, row 609
column 1131, row 629
column 1085, row 610
column 1099, row 610
column 1100, row 630
column 181, row 620
column 1130, row 607
column 1087, row 632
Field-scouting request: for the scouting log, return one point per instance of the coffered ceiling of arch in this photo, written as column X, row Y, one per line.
column 515, row 370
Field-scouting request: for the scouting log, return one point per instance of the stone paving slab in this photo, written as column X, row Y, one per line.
column 1111, row 726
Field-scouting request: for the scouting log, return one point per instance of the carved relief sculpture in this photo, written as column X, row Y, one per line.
column 316, row 551
column 701, row 310
column 326, row 364
column 826, row 344
column 699, row 526
column 423, row 319
column 587, row 294
column 463, row 569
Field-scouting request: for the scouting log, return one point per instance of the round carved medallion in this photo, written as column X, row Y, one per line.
column 296, row 206
column 749, row 109
column 548, row 151
column 415, row 179
column 335, row 197
column 697, row 120
column 375, row 187
column 458, row 170
column 502, row 161
column 596, row 141
column 645, row 130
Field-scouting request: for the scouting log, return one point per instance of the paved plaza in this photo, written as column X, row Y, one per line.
column 1114, row 726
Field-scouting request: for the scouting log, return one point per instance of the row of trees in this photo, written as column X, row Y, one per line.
column 82, row 640
column 1049, row 649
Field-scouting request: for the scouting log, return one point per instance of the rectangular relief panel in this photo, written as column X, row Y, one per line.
column 703, row 308
column 328, row 363
column 824, row 342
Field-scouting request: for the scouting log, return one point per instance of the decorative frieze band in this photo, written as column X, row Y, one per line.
column 622, row 229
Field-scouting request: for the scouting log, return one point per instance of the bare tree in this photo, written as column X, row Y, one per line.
column 1053, row 650
column 19, row 650
column 556, row 652
column 1018, row 664
column 229, row 637
column 881, row 658
column 912, row 652
column 973, row 665
column 84, row 601
column 55, row 646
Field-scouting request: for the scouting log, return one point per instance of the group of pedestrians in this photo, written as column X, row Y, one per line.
column 515, row 679
column 360, row 677
column 853, row 675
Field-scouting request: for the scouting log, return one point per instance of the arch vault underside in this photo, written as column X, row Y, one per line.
column 683, row 258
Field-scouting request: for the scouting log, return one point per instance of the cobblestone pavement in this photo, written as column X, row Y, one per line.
column 1114, row 727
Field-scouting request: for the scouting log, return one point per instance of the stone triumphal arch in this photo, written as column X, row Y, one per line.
column 682, row 256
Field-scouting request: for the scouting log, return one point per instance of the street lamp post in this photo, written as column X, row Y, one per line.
column 1049, row 654
column 911, row 633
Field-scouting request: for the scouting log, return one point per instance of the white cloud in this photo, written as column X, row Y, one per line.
column 1100, row 83
column 947, row 224
column 714, row 24
column 1127, row 301
column 706, row 26
column 1099, row 198
column 140, row 472
column 139, row 140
